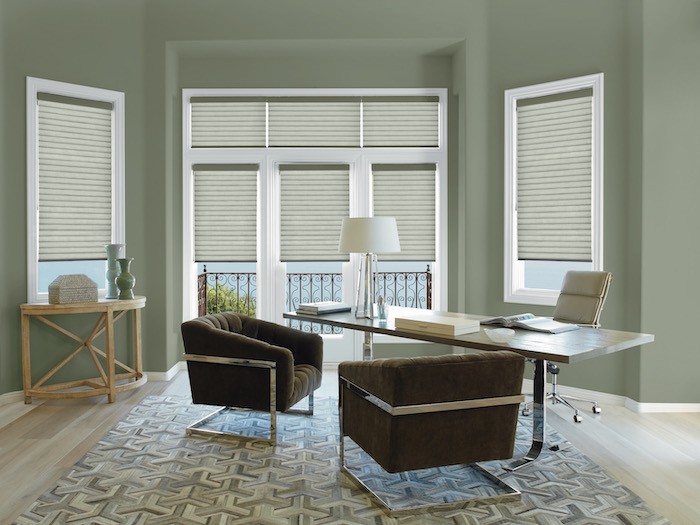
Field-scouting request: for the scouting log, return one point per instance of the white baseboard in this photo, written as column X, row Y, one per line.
column 648, row 408
column 167, row 376
column 604, row 398
column 11, row 397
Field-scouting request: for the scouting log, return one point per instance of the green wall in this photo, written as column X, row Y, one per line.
column 150, row 49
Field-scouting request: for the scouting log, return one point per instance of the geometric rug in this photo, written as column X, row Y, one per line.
column 146, row 470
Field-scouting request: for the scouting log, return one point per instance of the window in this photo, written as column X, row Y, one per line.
column 553, row 186
column 75, row 181
column 321, row 155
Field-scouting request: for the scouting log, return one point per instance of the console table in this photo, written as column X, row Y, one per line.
column 110, row 311
column 565, row 347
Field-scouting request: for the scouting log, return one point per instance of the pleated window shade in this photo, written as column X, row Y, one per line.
column 407, row 192
column 314, row 122
column 225, row 213
column 400, row 121
column 554, row 176
column 318, row 122
column 228, row 122
column 75, row 178
column 314, row 200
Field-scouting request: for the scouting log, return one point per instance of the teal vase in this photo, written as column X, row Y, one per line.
column 125, row 281
column 114, row 252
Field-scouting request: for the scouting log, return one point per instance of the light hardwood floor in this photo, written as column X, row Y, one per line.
column 656, row 455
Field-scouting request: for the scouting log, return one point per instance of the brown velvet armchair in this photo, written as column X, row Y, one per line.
column 424, row 412
column 239, row 361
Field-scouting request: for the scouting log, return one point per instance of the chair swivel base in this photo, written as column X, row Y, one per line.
column 557, row 398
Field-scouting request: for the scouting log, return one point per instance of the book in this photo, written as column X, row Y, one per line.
column 322, row 307
column 437, row 324
column 531, row 322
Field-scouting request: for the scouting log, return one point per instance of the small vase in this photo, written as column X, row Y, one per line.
column 114, row 252
column 125, row 281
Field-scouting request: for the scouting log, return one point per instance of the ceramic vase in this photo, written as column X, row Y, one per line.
column 125, row 281
column 114, row 252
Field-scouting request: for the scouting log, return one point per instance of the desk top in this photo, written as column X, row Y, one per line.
column 566, row 347
column 102, row 305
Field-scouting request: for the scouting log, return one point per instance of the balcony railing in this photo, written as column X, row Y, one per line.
column 235, row 291
column 226, row 292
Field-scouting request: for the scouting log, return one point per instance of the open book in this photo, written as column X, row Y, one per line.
column 531, row 322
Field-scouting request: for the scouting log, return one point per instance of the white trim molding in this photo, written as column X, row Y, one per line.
column 270, row 271
column 514, row 289
column 169, row 374
column 116, row 99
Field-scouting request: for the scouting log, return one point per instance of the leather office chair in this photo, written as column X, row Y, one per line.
column 424, row 412
column 239, row 361
column 580, row 302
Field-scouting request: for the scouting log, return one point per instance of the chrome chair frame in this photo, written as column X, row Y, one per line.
column 198, row 426
column 510, row 492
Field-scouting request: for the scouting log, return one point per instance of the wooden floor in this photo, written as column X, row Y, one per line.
column 656, row 455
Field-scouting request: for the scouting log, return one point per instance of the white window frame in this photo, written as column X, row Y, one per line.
column 116, row 98
column 268, row 187
column 514, row 290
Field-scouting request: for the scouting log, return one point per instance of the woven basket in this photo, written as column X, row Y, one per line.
column 74, row 288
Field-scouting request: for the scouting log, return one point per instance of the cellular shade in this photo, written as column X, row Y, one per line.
column 400, row 121
column 314, row 201
column 75, row 178
column 554, row 174
column 314, row 122
column 225, row 213
column 407, row 192
column 228, row 122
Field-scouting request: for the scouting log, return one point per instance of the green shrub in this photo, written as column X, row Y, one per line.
column 225, row 299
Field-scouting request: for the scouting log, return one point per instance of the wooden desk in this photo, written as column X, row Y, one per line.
column 106, row 383
column 566, row 347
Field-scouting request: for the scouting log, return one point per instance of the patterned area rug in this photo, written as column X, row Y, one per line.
column 147, row 471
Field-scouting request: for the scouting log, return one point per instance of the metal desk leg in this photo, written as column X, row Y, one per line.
column 538, row 417
column 367, row 347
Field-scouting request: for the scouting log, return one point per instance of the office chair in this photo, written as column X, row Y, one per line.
column 580, row 302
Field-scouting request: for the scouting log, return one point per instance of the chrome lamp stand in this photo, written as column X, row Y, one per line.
column 364, row 302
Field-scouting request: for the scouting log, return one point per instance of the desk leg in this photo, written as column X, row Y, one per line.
column 26, row 360
column 367, row 347
column 109, row 336
column 538, row 417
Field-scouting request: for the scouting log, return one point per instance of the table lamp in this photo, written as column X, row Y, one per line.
column 368, row 236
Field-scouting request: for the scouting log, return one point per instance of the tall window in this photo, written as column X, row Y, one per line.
column 75, row 181
column 553, row 186
column 322, row 154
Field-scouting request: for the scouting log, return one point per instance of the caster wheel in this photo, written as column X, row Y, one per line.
column 526, row 412
column 597, row 410
column 577, row 418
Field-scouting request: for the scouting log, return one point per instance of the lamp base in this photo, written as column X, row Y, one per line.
column 364, row 303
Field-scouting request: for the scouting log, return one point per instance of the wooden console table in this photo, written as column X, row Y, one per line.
column 109, row 310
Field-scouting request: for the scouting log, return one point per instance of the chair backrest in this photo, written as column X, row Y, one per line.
column 582, row 297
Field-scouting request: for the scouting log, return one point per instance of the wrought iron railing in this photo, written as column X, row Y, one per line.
column 235, row 291
column 226, row 292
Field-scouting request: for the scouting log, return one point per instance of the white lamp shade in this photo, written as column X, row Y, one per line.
column 369, row 235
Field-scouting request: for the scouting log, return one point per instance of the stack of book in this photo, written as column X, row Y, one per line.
column 322, row 307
